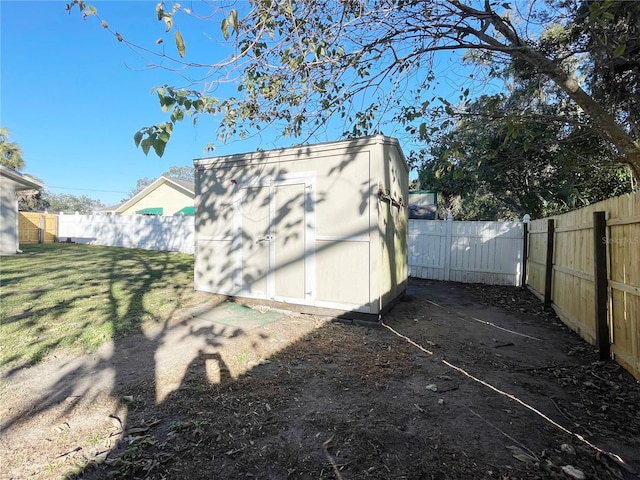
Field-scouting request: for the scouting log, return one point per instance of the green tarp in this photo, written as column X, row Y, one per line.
column 150, row 211
column 186, row 211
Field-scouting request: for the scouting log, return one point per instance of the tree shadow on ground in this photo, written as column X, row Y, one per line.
column 355, row 402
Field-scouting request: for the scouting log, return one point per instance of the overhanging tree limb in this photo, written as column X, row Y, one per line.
column 300, row 63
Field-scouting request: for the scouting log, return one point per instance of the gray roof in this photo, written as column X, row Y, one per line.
column 110, row 208
column 190, row 185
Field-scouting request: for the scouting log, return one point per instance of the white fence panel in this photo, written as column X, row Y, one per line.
column 174, row 234
column 468, row 252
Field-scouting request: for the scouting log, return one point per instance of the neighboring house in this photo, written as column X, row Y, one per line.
column 12, row 182
column 165, row 196
column 110, row 210
column 423, row 205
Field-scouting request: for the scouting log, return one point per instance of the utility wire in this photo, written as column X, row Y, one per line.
column 86, row 189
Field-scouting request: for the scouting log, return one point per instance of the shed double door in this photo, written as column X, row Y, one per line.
column 275, row 239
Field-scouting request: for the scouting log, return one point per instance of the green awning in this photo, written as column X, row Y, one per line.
column 150, row 211
column 186, row 211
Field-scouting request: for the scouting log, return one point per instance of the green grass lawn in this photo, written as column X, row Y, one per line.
column 75, row 297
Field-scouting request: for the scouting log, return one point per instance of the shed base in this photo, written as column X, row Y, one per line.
column 346, row 316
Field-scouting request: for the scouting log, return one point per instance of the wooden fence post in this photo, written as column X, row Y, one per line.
column 41, row 228
column 548, row 277
column 600, row 283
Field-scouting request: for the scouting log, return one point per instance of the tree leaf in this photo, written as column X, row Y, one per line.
column 159, row 11
column 166, row 103
column 180, row 44
column 423, row 131
column 119, row 37
column 90, row 10
column 167, row 127
column 619, row 50
column 137, row 138
column 159, row 146
column 225, row 28
column 146, row 145
column 168, row 22
column 233, row 20
column 104, row 24
column 177, row 115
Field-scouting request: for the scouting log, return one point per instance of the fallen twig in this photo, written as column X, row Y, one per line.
column 77, row 449
column 569, row 419
column 326, row 446
column 544, row 367
column 448, row 389
column 420, row 409
column 505, row 434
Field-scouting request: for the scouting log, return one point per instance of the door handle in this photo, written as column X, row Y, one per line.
column 264, row 238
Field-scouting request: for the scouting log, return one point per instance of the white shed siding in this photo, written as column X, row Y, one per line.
column 327, row 227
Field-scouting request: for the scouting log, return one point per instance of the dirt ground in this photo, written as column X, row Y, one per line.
column 460, row 381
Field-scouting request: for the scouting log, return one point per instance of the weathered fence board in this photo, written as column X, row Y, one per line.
column 468, row 252
column 175, row 234
column 573, row 290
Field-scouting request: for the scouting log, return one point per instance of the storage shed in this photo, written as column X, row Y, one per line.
column 321, row 227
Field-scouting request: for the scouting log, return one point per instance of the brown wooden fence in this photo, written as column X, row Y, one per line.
column 35, row 227
column 591, row 278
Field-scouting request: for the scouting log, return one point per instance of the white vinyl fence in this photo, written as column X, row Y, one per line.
column 148, row 232
column 468, row 252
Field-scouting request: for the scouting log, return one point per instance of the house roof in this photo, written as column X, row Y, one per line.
column 189, row 185
column 110, row 208
column 183, row 185
column 22, row 181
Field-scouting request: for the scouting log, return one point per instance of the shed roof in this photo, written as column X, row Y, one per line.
column 267, row 156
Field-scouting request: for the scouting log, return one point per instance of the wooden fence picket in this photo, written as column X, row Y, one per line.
column 581, row 288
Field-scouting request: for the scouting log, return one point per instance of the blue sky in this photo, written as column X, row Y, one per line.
column 72, row 96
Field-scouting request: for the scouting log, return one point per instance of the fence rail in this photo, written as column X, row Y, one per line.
column 564, row 270
column 175, row 234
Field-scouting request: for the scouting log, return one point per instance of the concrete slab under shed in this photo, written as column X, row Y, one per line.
column 235, row 315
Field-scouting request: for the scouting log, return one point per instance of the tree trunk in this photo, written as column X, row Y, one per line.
column 627, row 146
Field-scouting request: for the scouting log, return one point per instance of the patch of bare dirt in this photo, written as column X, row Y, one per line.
column 461, row 381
